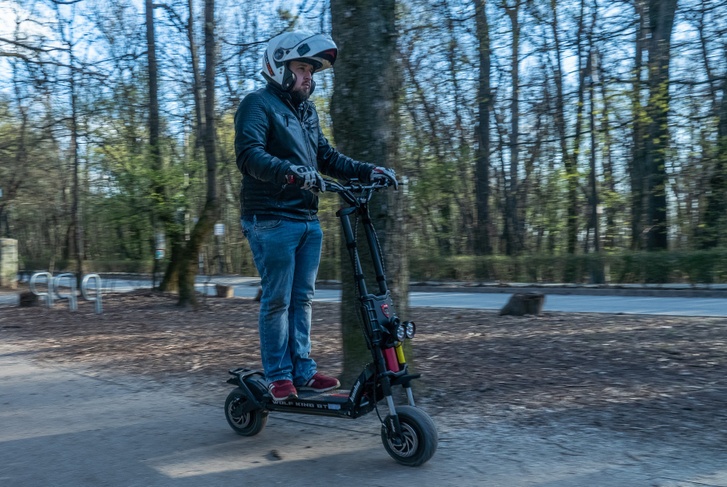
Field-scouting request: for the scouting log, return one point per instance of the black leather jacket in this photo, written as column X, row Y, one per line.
column 270, row 136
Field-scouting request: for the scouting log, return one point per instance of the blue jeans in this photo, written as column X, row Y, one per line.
column 287, row 254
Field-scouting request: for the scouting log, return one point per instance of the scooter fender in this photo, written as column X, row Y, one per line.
column 251, row 383
column 240, row 374
column 362, row 396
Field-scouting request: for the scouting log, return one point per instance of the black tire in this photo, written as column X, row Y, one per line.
column 245, row 424
column 420, row 437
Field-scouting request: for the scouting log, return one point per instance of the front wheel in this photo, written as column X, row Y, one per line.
column 247, row 423
column 419, row 437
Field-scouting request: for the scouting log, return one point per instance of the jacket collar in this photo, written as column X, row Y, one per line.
column 288, row 100
column 278, row 91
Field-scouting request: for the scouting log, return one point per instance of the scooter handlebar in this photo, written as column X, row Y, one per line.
column 353, row 186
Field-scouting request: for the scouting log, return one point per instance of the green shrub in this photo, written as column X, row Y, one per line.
column 706, row 266
column 703, row 266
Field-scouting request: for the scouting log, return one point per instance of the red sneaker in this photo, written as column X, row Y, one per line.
column 320, row 383
column 282, row 390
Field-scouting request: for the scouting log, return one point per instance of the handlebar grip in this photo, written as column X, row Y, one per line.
column 353, row 185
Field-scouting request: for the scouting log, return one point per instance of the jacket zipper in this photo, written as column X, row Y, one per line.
column 305, row 141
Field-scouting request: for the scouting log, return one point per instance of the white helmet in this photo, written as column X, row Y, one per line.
column 316, row 49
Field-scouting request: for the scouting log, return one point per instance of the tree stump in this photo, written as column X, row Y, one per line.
column 524, row 304
column 224, row 291
column 28, row 299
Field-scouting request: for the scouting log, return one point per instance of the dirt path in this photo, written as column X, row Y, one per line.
column 649, row 386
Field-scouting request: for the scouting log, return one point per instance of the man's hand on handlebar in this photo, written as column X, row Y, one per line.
column 384, row 174
column 306, row 177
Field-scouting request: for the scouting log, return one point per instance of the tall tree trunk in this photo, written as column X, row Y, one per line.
column 199, row 107
column 176, row 226
column 513, row 237
column 596, row 270
column 637, row 169
column 703, row 23
column 594, row 146
column 715, row 217
column 578, row 136
column 483, row 245
column 590, row 75
column 661, row 22
column 364, row 111
column 608, row 165
column 76, row 214
column 210, row 212
column 154, row 153
column 159, row 217
column 15, row 176
column 570, row 162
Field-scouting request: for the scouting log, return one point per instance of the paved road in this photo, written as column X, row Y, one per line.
column 74, row 427
column 579, row 303
column 676, row 306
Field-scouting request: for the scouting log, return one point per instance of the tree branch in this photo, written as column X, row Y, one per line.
column 20, row 44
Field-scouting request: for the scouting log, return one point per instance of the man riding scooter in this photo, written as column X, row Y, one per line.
column 280, row 151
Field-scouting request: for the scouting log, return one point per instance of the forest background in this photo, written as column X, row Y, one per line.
column 539, row 140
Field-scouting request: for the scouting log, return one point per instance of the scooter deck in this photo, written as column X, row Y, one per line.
column 335, row 396
column 337, row 402
column 313, row 403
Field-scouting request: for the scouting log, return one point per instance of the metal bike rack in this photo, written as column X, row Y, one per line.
column 54, row 284
column 84, row 289
column 71, row 296
column 49, row 294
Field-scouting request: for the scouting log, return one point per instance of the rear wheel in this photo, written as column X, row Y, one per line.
column 243, row 423
column 419, row 437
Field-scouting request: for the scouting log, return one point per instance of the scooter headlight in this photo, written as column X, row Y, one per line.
column 411, row 329
column 400, row 332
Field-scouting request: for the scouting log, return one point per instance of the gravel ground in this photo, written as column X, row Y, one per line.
column 647, row 375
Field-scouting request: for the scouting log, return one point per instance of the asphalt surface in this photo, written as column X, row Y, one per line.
column 653, row 300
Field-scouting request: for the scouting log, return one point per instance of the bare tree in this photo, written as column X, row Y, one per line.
column 158, row 188
column 513, row 234
column 174, row 225
column 590, row 75
column 661, row 23
column 570, row 159
column 210, row 212
column 484, row 106
column 67, row 33
column 637, row 168
column 714, row 219
column 14, row 151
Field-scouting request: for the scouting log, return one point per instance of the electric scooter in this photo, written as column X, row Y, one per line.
column 407, row 432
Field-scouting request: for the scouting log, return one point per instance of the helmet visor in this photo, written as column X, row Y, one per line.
column 318, row 47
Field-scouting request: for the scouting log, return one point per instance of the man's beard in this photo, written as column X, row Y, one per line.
column 299, row 96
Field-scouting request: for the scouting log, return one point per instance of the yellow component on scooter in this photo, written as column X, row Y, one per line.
column 400, row 353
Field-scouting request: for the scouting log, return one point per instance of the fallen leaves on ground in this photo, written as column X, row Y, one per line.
column 662, row 375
